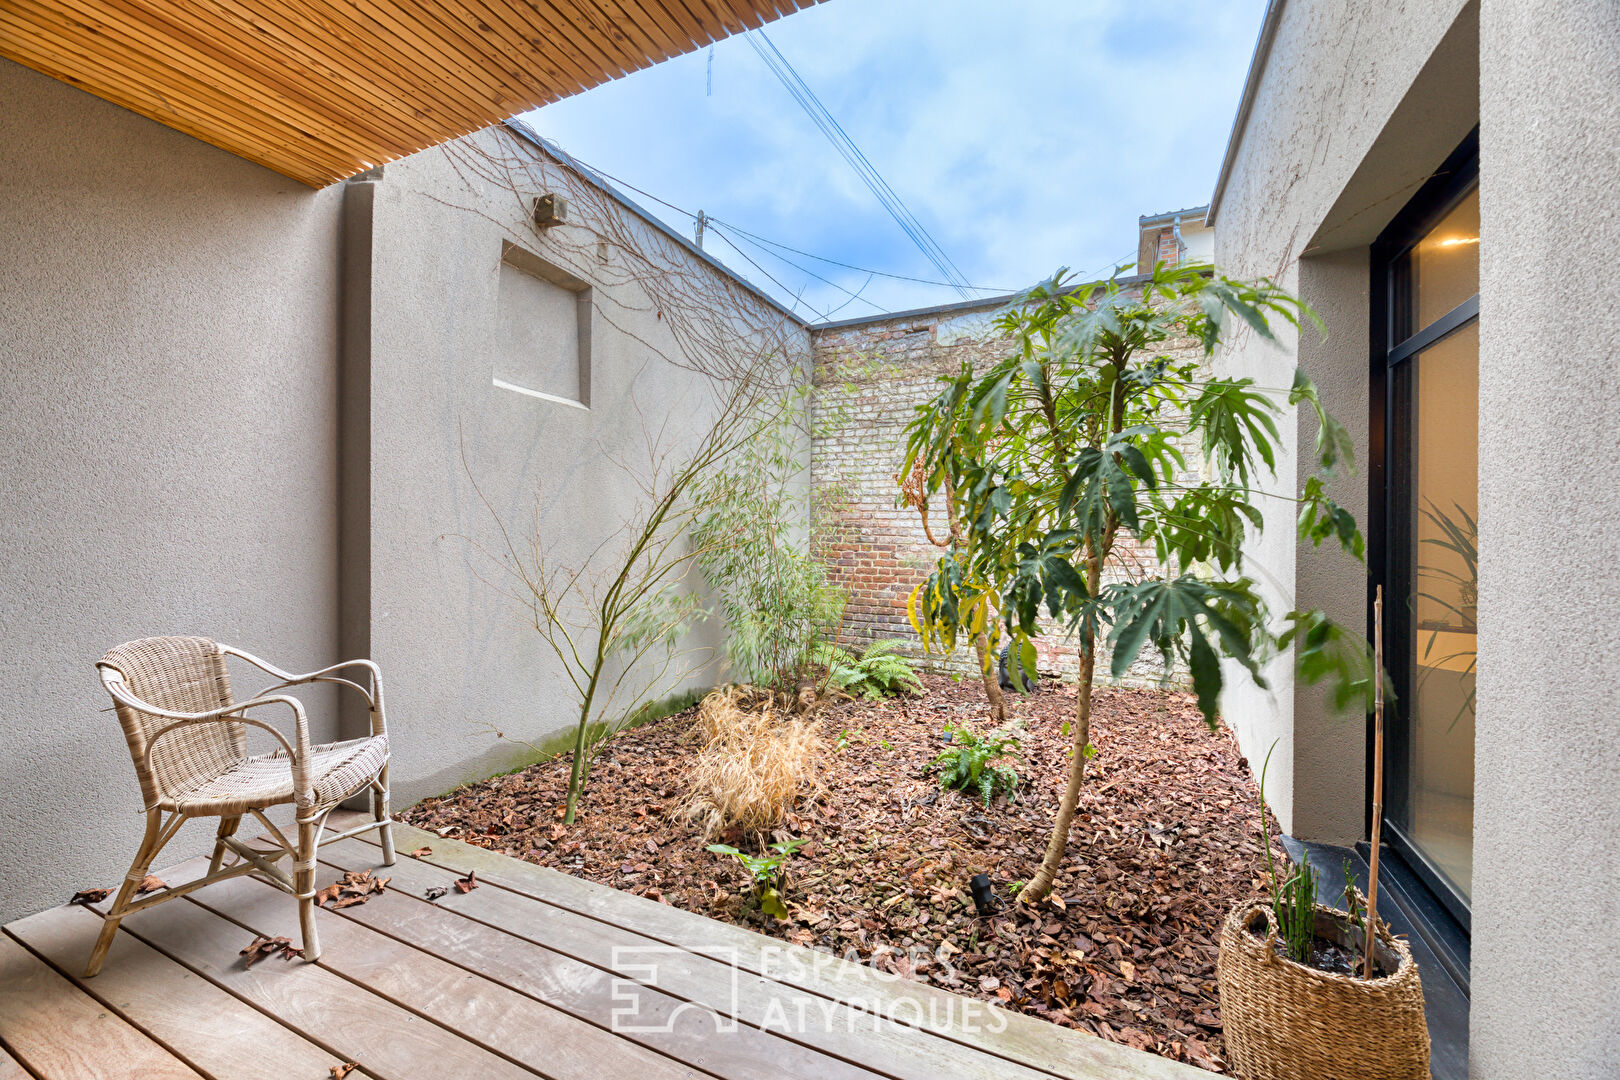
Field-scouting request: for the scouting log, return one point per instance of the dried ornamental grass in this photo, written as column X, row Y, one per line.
column 752, row 766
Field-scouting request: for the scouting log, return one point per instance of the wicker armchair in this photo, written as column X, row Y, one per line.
column 187, row 737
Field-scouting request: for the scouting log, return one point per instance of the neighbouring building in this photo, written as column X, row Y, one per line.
column 1438, row 180
column 870, row 375
column 1174, row 237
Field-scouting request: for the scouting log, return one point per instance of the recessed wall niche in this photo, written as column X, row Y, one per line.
column 543, row 330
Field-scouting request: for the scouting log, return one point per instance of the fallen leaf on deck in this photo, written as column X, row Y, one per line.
column 468, row 883
column 262, row 947
column 90, row 896
column 435, row 892
column 357, row 887
column 340, row 1071
column 151, row 883
column 421, row 853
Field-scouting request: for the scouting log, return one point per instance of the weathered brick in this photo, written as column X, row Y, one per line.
column 869, row 380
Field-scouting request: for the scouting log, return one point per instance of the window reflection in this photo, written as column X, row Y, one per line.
column 1445, row 263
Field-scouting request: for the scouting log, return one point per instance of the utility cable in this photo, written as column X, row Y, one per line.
column 801, row 93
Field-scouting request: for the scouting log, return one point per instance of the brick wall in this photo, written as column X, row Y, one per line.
column 869, row 377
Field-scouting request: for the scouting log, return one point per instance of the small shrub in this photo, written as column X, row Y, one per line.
column 967, row 764
column 774, row 593
column 767, row 872
column 877, row 673
column 752, row 766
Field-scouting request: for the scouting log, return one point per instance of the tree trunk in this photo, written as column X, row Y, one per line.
column 1040, row 886
column 992, row 678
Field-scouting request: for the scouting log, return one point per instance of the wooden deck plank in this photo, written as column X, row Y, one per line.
column 864, row 1037
column 1026, row 1040
column 645, row 1015
column 512, row 1024
column 391, row 1043
column 58, row 1032
column 10, row 1069
column 187, row 1013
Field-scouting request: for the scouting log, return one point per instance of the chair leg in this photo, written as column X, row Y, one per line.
column 227, row 827
column 379, row 812
column 304, row 883
column 137, row 870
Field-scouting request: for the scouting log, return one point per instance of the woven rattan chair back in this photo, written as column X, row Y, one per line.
column 182, row 674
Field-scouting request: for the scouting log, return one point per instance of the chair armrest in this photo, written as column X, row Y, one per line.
column 298, row 751
column 374, row 696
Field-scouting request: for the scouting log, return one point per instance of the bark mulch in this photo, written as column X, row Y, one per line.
column 1165, row 842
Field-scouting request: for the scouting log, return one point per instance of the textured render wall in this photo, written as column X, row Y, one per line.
column 1547, row 787
column 1355, row 108
column 458, row 655
column 869, row 379
column 168, row 321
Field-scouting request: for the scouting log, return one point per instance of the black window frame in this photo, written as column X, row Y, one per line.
column 1449, row 185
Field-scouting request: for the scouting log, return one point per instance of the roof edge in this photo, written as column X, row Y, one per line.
column 1002, row 300
column 1251, row 86
column 601, row 183
column 1170, row 215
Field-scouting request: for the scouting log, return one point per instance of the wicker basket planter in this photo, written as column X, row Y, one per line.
column 1287, row 1021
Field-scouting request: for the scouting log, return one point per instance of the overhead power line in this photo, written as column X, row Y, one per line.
column 711, row 220
column 835, row 133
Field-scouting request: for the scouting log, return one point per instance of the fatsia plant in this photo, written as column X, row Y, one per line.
column 1070, row 452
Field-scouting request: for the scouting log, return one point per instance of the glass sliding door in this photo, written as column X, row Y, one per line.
column 1428, row 271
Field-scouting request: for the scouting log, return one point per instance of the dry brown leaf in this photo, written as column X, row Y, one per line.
column 435, row 892
column 151, row 883
column 421, row 853
column 328, row 894
column 877, row 822
column 340, row 1071
column 90, row 896
column 468, row 883
column 261, row 947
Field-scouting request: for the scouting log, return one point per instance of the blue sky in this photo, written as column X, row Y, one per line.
column 1023, row 135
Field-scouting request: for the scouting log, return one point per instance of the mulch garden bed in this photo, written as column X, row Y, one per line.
column 1164, row 844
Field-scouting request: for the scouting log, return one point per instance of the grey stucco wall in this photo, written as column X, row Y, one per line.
column 168, row 321
column 460, row 660
column 1354, row 109
column 1546, row 970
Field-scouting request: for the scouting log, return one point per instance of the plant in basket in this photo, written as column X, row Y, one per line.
column 1309, row 990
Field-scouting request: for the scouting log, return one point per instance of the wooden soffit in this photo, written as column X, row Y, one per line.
column 320, row 90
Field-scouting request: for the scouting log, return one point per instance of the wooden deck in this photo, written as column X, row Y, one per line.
column 534, row 973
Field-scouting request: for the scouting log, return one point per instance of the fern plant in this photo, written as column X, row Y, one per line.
column 877, row 673
column 969, row 764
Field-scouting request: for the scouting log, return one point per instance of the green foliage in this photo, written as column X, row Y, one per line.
column 1073, row 440
column 775, row 595
column 766, row 871
column 1293, row 900
column 969, row 763
column 877, row 673
column 1453, row 590
column 1294, row 904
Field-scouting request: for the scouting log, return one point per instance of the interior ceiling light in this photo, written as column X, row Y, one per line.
column 1455, row 240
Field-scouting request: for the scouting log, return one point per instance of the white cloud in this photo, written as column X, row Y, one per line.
column 1023, row 135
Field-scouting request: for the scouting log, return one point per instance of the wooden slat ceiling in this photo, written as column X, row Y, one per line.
column 320, row 90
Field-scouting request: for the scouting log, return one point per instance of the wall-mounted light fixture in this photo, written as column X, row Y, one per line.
column 550, row 210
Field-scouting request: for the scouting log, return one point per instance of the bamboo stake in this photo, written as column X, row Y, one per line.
column 1378, row 779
